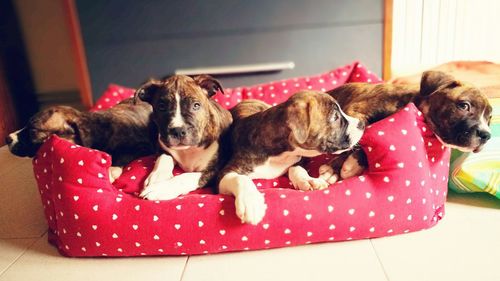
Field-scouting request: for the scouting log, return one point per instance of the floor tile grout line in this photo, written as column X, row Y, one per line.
column 18, row 257
column 379, row 261
column 184, row 269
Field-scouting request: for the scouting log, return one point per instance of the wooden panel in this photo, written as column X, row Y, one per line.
column 387, row 55
column 129, row 41
column 313, row 51
column 125, row 21
column 78, row 49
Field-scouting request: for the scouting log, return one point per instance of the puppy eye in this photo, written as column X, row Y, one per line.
column 464, row 105
column 196, row 106
column 162, row 106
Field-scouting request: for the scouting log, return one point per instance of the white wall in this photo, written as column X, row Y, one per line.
column 431, row 32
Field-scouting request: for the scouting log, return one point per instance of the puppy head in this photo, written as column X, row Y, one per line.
column 182, row 109
column 317, row 123
column 459, row 114
column 59, row 120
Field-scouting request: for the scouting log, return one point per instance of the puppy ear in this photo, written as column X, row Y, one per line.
column 210, row 84
column 147, row 90
column 433, row 81
column 73, row 126
column 299, row 120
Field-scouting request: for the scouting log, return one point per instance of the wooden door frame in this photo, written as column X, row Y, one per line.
column 78, row 50
column 387, row 41
column 9, row 121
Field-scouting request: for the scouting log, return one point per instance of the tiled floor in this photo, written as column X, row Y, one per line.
column 464, row 246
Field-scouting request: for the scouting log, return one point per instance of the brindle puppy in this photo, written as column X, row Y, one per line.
column 191, row 129
column 124, row 131
column 268, row 142
column 458, row 113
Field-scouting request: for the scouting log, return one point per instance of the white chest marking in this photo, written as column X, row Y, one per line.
column 177, row 121
column 276, row 166
column 460, row 148
column 193, row 159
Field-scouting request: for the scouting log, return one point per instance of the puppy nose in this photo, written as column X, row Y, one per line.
column 8, row 140
column 177, row 132
column 483, row 135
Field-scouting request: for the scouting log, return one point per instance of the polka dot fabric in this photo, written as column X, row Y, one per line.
column 404, row 190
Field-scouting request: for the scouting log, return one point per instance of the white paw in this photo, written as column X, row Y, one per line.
column 156, row 177
column 159, row 191
column 162, row 170
column 327, row 173
column 351, row 168
column 173, row 187
column 114, row 173
column 250, row 206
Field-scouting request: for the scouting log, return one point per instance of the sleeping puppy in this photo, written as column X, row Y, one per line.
column 458, row 113
column 191, row 127
column 122, row 131
column 268, row 141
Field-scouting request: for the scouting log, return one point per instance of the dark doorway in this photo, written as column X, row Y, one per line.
column 17, row 93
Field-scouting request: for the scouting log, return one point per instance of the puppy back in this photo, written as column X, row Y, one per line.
column 373, row 102
column 247, row 108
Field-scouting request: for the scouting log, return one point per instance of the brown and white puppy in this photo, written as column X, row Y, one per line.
column 268, row 141
column 458, row 113
column 124, row 131
column 191, row 128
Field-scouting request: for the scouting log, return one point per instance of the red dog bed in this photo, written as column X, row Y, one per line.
column 404, row 190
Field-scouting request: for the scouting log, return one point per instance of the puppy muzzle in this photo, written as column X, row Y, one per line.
column 178, row 141
column 20, row 149
column 178, row 133
column 355, row 130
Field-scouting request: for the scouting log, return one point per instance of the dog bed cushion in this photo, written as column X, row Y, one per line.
column 403, row 190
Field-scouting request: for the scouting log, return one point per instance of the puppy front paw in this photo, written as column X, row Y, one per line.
column 162, row 171
column 173, row 187
column 156, row 177
column 351, row 168
column 114, row 173
column 328, row 174
column 310, row 183
column 159, row 191
column 251, row 207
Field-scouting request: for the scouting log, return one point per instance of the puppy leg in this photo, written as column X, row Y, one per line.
column 162, row 170
column 354, row 165
column 172, row 188
column 249, row 202
column 114, row 173
column 330, row 171
column 301, row 180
